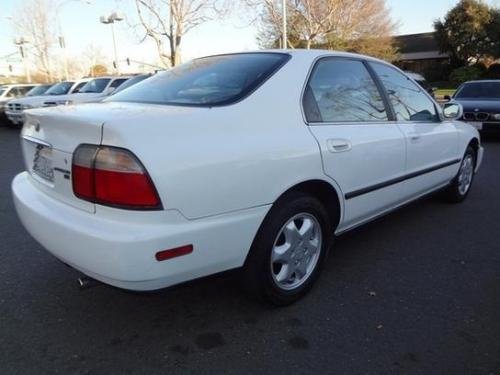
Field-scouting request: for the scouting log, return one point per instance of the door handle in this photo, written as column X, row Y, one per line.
column 415, row 137
column 338, row 145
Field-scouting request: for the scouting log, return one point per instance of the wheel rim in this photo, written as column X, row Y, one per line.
column 296, row 251
column 465, row 174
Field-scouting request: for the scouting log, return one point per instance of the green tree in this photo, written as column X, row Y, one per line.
column 464, row 33
column 493, row 31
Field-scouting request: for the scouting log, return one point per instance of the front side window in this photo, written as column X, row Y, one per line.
column 408, row 100
column 117, row 82
column 206, row 82
column 21, row 91
column 342, row 90
column 95, row 86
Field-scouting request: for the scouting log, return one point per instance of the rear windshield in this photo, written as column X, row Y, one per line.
column 479, row 90
column 206, row 82
column 38, row 90
column 60, row 88
column 96, row 85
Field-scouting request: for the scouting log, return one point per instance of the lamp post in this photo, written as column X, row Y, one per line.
column 61, row 40
column 110, row 20
column 20, row 42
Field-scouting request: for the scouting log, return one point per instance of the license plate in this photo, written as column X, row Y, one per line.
column 477, row 125
column 42, row 163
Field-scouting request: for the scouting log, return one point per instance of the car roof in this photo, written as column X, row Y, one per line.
column 9, row 85
column 484, row 81
column 310, row 53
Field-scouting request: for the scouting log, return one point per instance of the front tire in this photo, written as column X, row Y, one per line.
column 289, row 249
column 460, row 186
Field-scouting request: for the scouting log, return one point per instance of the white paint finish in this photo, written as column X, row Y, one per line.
column 120, row 249
column 430, row 144
column 218, row 171
column 376, row 155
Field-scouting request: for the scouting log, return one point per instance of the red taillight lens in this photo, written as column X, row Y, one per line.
column 114, row 177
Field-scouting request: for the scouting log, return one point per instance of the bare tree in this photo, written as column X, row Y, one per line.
column 35, row 20
column 337, row 24
column 93, row 57
column 170, row 20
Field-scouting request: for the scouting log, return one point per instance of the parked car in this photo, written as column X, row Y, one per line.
column 94, row 90
column 9, row 92
column 420, row 79
column 14, row 108
column 251, row 160
column 131, row 82
column 481, row 104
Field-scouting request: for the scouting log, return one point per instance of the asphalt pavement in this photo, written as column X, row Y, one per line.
column 416, row 292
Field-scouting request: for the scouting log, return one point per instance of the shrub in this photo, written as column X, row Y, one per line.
column 493, row 71
column 466, row 73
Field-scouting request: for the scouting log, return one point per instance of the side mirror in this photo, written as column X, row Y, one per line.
column 453, row 111
column 447, row 97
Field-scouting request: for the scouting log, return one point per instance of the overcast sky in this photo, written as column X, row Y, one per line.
column 81, row 27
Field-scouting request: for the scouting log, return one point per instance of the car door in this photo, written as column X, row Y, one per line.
column 431, row 144
column 362, row 150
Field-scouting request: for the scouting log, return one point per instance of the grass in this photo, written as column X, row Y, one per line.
column 442, row 92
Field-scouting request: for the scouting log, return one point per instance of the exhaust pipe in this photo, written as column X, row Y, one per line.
column 86, row 282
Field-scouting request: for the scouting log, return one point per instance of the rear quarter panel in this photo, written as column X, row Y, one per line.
column 208, row 161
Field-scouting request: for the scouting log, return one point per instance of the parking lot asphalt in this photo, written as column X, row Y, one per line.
column 416, row 292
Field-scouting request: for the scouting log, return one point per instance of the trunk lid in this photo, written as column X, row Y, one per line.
column 49, row 138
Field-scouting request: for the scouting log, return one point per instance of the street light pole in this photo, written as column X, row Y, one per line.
column 21, row 41
column 62, row 41
column 285, row 37
column 110, row 20
column 114, row 48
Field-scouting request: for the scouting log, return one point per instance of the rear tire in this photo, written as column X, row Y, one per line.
column 460, row 186
column 289, row 250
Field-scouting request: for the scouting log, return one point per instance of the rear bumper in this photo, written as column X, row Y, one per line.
column 118, row 247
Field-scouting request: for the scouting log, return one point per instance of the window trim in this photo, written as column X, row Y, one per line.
column 381, row 90
column 439, row 118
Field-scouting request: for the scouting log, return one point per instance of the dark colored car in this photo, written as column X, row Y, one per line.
column 481, row 103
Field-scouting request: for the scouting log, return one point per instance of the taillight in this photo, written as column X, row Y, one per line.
column 112, row 176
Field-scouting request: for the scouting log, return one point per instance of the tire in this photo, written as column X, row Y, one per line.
column 297, row 234
column 460, row 186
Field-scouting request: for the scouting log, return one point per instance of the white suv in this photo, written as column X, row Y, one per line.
column 9, row 92
column 14, row 108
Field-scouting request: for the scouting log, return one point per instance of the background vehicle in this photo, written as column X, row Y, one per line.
column 481, row 104
column 94, row 90
column 14, row 108
column 420, row 79
column 250, row 160
column 131, row 81
column 9, row 92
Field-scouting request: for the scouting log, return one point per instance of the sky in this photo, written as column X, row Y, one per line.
column 81, row 28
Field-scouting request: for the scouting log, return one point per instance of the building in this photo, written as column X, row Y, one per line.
column 420, row 53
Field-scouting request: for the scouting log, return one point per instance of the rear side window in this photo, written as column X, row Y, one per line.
column 117, row 82
column 206, row 82
column 408, row 100
column 342, row 90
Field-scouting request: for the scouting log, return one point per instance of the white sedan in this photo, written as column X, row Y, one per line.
column 250, row 160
